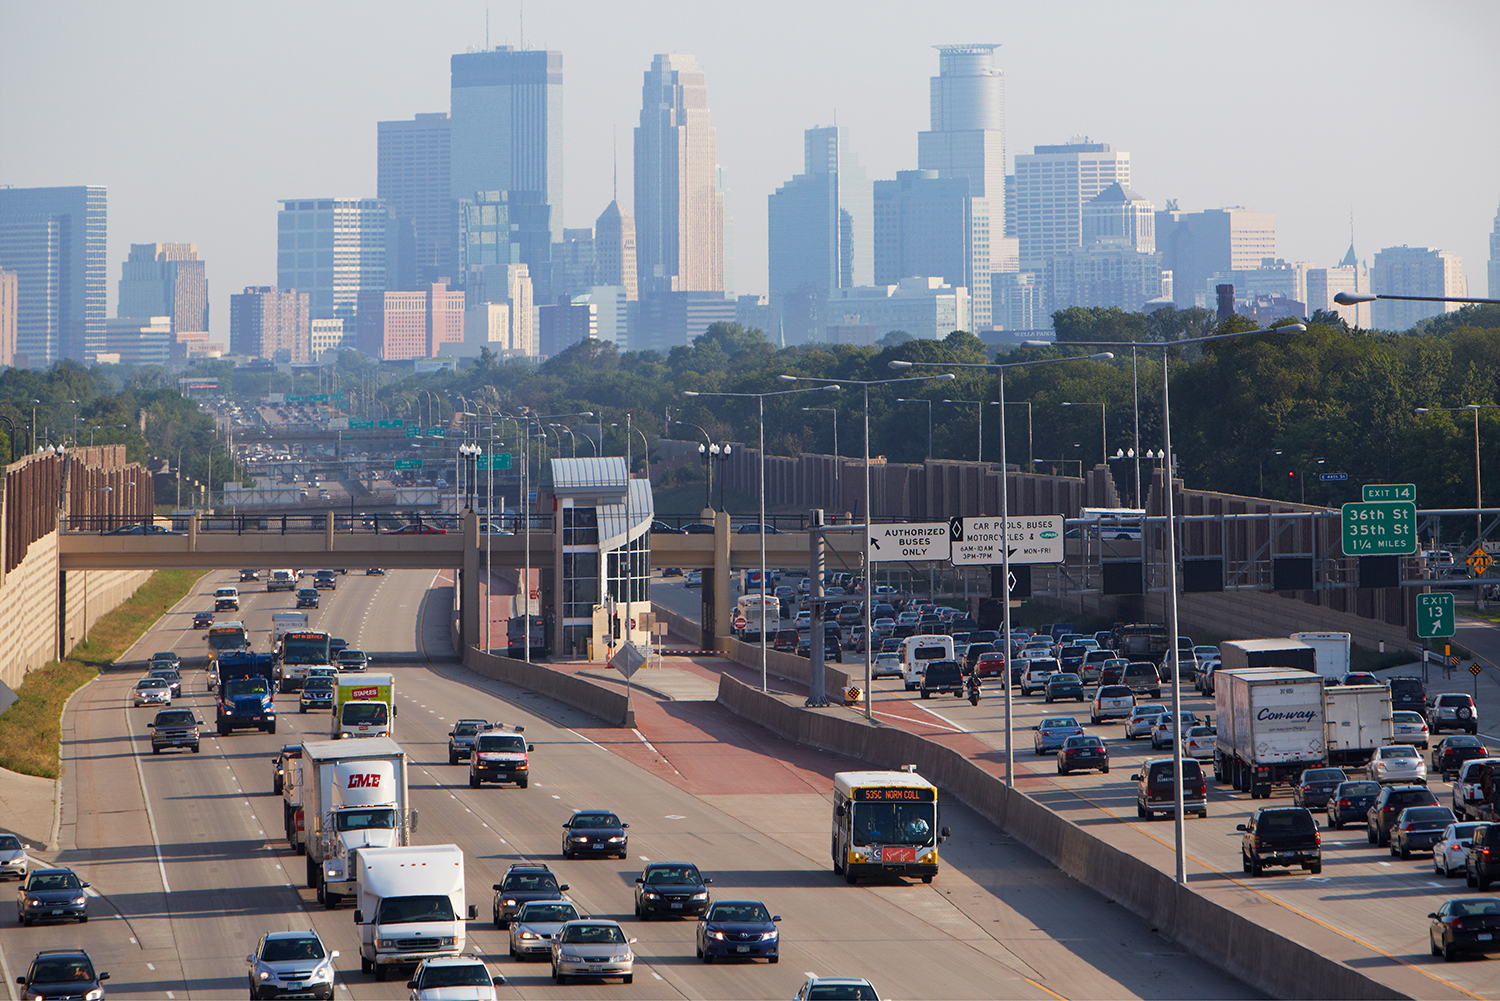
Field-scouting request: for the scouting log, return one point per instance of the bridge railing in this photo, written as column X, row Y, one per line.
column 371, row 523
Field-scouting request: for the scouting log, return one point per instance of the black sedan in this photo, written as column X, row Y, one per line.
column 1418, row 828
column 1082, row 752
column 1315, row 786
column 1350, row 802
column 52, row 895
column 670, row 888
column 738, row 929
column 1466, row 924
column 1449, row 754
column 594, row 832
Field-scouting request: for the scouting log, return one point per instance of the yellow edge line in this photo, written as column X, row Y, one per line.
column 1047, row 989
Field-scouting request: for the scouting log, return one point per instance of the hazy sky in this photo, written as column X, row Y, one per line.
column 199, row 116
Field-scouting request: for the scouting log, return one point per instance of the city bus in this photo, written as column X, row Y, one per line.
column 757, row 612
column 301, row 651
column 886, row 823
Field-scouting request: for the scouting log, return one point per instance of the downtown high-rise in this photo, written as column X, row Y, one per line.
column 412, row 178
column 332, row 248
column 54, row 241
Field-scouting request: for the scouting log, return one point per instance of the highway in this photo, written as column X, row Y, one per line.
column 188, row 866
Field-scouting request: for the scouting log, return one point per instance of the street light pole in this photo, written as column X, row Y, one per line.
column 838, row 477
column 1103, row 436
column 903, row 399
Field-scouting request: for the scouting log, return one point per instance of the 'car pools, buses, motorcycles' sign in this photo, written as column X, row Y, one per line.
column 1034, row 538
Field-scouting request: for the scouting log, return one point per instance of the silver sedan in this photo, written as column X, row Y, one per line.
column 592, row 948
column 1397, row 763
column 534, row 925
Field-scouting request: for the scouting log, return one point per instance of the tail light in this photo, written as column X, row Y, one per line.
column 1343, row 802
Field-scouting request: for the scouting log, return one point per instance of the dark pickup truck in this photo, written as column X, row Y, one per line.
column 1281, row 835
column 175, row 728
column 942, row 676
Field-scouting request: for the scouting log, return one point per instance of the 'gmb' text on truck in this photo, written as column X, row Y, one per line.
column 354, row 797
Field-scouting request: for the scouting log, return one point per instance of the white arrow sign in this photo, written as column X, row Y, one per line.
column 1036, row 538
column 917, row 542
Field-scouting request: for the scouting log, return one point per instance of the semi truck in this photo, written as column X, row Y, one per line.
column 244, row 699
column 1330, row 652
column 411, row 906
column 1356, row 720
column 1284, row 653
column 300, row 651
column 1142, row 641
column 1270, row 727
column 364, row 705
column 353, row 797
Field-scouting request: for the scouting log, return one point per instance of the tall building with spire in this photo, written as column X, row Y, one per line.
column 679, row 209
column 614, row 250
column 1349, row 275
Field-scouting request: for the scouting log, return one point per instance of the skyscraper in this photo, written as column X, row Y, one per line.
column 54, row 240
column 398, row 326
column 507, row 107
column 929, row 227
column 1118, row 213
column 333, row 249
column 1415, row 271
column 167, row 279
column 265, row 323
column 1495, row 259
column 1195, row 246
column 1052, row 184
column 7, row 317
column 614, row 249
column 679, row 210
column 820, row 233
column 412, row 177
column 1351, row 275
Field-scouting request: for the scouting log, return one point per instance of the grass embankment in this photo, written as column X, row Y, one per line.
column 31, row 729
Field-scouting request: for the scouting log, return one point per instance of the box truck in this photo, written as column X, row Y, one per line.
column 1270, row 725
column 1356, row 720
column 353, row 796
column 1330, row 652
column 411, row 905
column 1286, row 654
column 363, row 706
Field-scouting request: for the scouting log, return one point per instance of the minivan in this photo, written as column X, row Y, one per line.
column 1142, row 678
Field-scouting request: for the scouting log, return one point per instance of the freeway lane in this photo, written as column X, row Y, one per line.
column 997, row 922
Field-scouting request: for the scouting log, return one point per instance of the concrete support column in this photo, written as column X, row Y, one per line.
column 722, row 619
column 328, row 532
column 467, row 586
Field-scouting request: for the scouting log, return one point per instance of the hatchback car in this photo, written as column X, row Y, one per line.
column 592, row 948
column 52, row 895
column 1467, row 924
column 449, row 978
column 1451, row 752
column 1397, row 763
column 13, row 858
column 1142, row 720
column 671, row 889
column 1087, row 751
column 62, row 973
column 1315, row 786
column 1388, row 804
column 1409, row 728
column 595, row 832
column 1449, row 850
column 1053, row 731
column 1350, row 802
column 533, row 926
column 1063, row 685
column 1453, row 711
column 738, row 929
column 1419, row 828
column 152, row 691
column 291, row 963
column 523, row 883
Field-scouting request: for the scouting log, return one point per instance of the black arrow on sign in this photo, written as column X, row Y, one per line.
column 874, row 542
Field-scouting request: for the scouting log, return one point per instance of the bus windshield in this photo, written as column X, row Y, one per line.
column 229, row 636
column 895, row 823
column 304, row 648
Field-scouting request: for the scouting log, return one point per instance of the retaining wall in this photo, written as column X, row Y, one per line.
column 1263, row 958
column 599, row 700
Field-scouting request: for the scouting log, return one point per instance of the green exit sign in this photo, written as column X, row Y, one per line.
column 493, row 461
column 1380, row 528
column 1389, row 492
column 408, row 463
column 356, row 424
column 1434, row 615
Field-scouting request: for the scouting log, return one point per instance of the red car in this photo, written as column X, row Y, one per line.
column 203, row 620
column 990, row 664
column 416, row 529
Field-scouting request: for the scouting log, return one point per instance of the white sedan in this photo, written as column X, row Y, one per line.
column 886, row 665
column 1409, row 728
column 1200, row 742
column 1449, row 854
column 1397, row 763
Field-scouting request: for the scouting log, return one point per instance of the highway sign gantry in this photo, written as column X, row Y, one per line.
column 913, row 541
column 1380, row 528
column 1036, row 538
column 1435, row 615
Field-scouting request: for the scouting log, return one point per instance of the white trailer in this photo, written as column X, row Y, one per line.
column 1330, row 652
column 411, row 905
column 354, row 796
column 1270, row 725
column 1356, row 720
column 286, row 622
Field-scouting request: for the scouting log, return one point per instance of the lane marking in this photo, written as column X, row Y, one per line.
column 161, row 863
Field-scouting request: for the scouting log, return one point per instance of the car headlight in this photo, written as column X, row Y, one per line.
column 264, row 974
column 387, row 943
column 448, row 940
column 623, row 957
column 649, row 895
column 700, row 896
column 528, row 936
column 616, row 840
column 96, row 994
column 33, row 902
column 568, row 957
column 579, row 837
column 323, row 973
column 768, row 936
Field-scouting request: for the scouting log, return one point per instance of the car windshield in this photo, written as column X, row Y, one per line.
column 841, row 992
column 9, row 843
column 177, row 717
column 1063, row 679
column 1428, row 815
column 543, row 913
column 53, row 881
column 673, row 875
column 593, row 935
column 1149, row 710
column 1084, row 742
column 1407, row 717
column 1462, row 742
column 742, row 913
column 367, row 713
column 1359, row 789
column 454, row 975
column 1453, row 700
column 1059, row 723
column 318, row 685
column 55, row 971
column 245, row 686
column 145, row 683
column 894, row 823
column 404, row 910
column 596, row 821
column 467, row 729
column 279, row 950
column 501, row 742
column 527, row 882
column 1285, row 822
column 1114, row 692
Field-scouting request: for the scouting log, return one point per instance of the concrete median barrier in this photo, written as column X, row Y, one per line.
column 592, row 697
column 1270, row 960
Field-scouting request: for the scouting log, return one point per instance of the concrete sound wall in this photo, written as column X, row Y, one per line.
column 609, row 704
column 1271, row 961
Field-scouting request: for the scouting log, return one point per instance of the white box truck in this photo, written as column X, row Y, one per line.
column 1356, row 720
column 286, row 622
column 364, row 705
column 354, row 796
column 411, row 905
column 1330, row 652
column 1270, row 726
column 1284, row 653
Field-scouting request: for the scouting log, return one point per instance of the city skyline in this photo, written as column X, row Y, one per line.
column 1150, row 80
